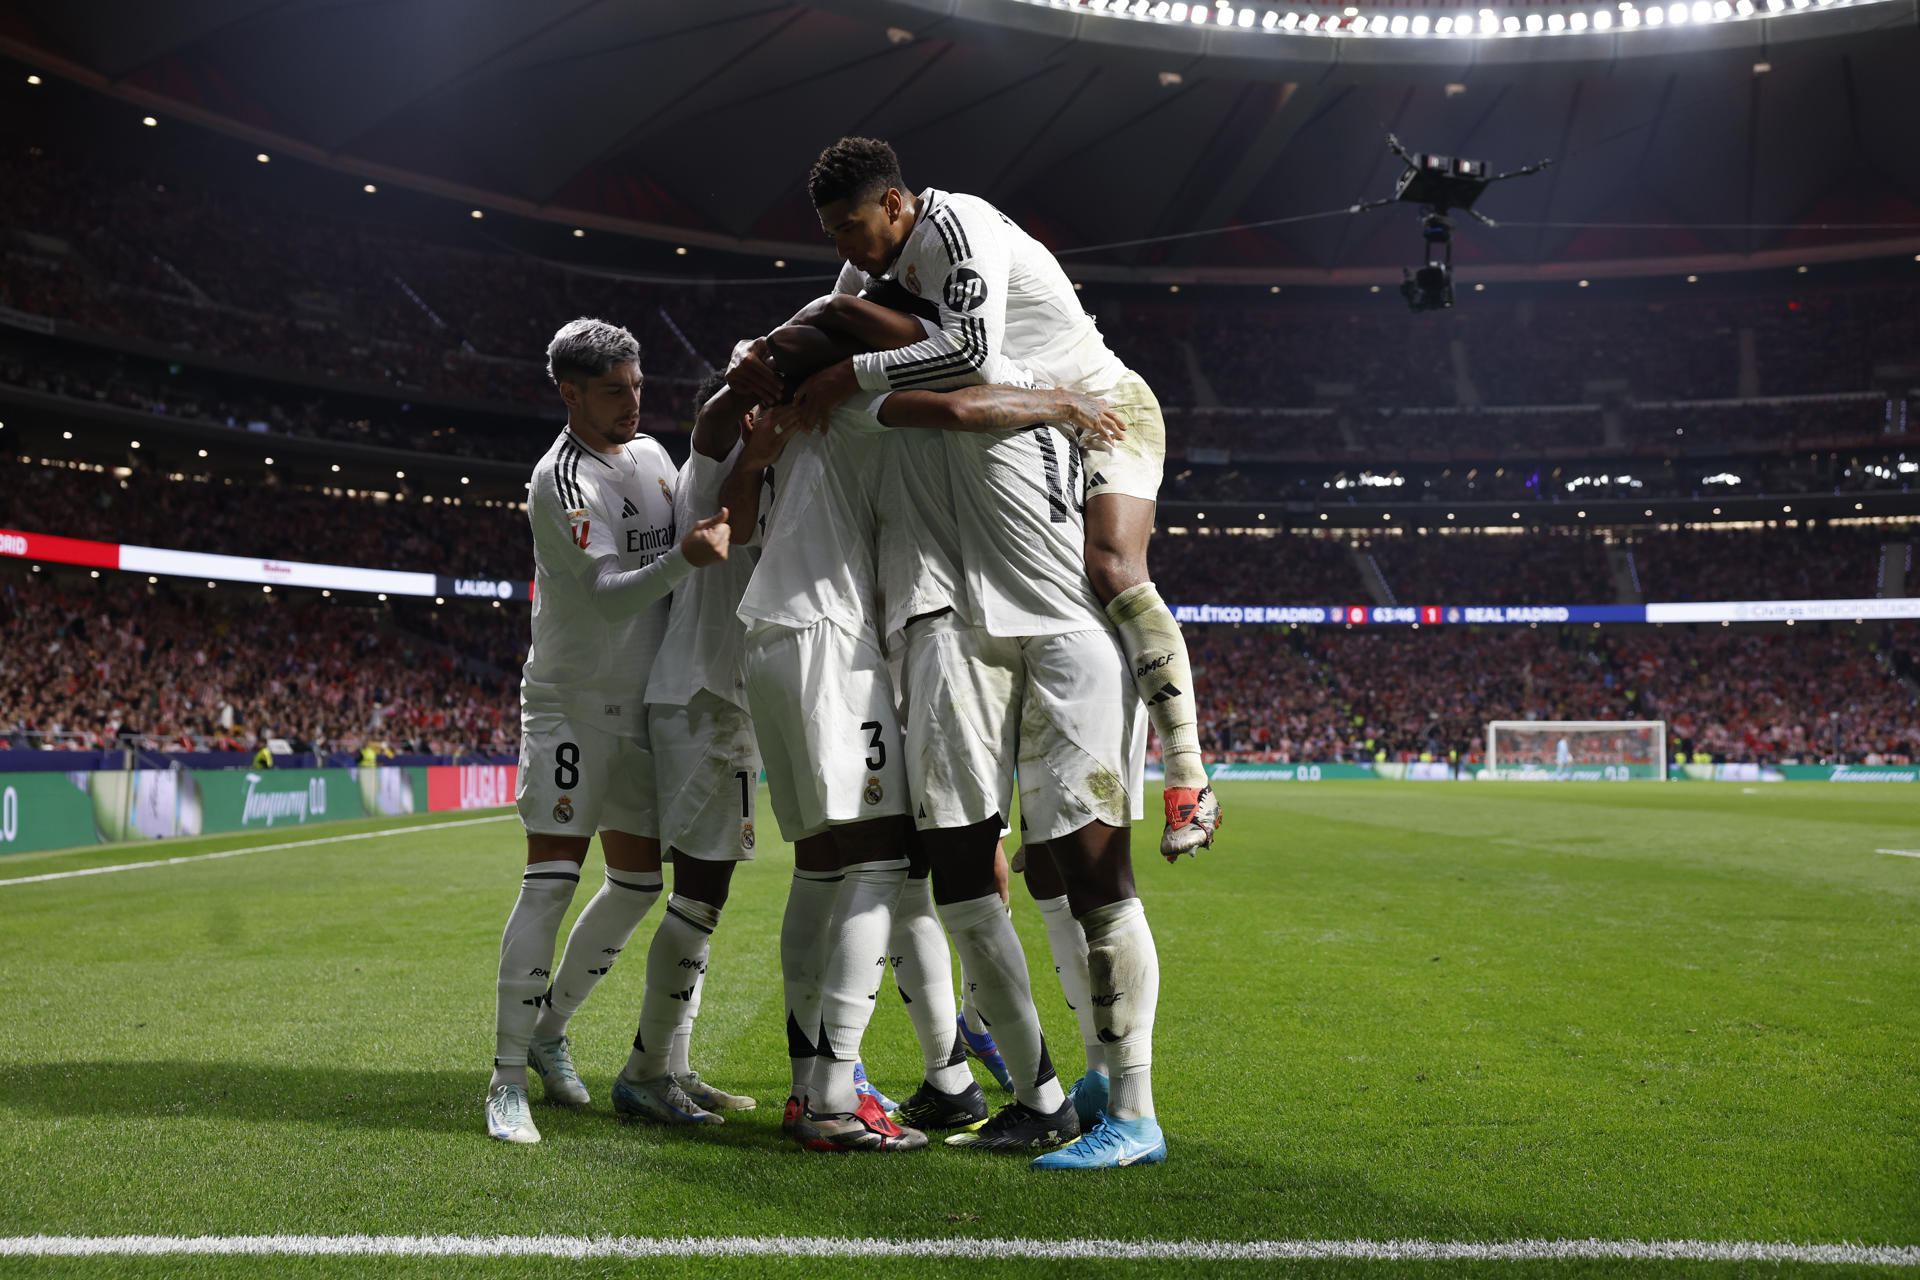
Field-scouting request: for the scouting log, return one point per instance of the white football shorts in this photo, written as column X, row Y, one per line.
column 1082, row 736
column 960, row 690
column 707, row 769
column 576, row 779
column 1131, row 466
column 829, row 732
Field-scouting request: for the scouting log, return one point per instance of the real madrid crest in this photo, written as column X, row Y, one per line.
column 563, row 809
column 874, row 792
column 913, row 276
column 746, row 836
column 665, row 492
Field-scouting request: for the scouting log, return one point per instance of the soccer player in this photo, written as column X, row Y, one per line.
column 1002, row 300
column 707, row 771
column 1008, row 655
column 824, row 715
column 605, row 558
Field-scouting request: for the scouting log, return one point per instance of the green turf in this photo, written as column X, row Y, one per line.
column 1387, row 1011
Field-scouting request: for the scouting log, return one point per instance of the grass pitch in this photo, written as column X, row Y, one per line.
column 1457, row 1012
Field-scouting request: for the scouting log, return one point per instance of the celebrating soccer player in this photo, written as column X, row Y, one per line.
column 605, row 558
column 1001, row 299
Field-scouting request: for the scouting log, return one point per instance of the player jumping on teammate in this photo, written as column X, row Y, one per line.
column 1001, row 299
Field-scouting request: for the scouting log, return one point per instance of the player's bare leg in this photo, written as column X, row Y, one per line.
column 838, row 1116
column 966, row 889
column 676, row 976
column 1118, row 527
column 1124, row 976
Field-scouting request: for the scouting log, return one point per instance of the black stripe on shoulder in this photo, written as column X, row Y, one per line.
column 946, row 239
column 953, row 223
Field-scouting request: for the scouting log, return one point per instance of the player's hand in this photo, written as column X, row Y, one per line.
column 818, row 397
column 706, row 543
column 766, row 440
column 750, row 372
column 1092, row 417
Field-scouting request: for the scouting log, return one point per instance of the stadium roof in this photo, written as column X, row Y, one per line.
column 1722, row 145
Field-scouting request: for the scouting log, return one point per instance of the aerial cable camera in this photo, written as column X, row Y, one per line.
column 1439, row 185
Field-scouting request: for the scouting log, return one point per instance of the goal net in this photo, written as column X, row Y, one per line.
column 1577, row 750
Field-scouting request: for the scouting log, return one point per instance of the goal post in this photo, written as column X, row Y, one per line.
column 1577, row 750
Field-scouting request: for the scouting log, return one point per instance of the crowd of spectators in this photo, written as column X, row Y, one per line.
column 93, row 665
column 271, row 521
column 1600, row 566
column 276, row 285
column 1807, row 694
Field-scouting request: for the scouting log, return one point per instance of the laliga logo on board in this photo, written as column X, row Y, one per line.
column 482, row 587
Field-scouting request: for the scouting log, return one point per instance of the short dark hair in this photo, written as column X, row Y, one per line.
column 859, row 169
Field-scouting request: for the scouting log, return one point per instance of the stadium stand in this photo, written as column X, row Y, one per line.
column 92, row 664
column 1834, row 695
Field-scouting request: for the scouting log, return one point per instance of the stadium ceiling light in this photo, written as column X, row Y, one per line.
column 1693, row 279
column 1800, row 270
column 579, row 233
column 1479, row 288
column 268, row 461
column 1323, row 515
column 475, row 213
column 680, row 251
column 149, row 121
column 33, row 79
column 151, row 579
column 95, row 573
column 136, row 444
column 336, row 466
column 262, row 157
column 399, row 475
column 266, row 591
column 203, row 453
column 369, row 188
column 1716, row 511
column 1787, row 507
column 383, row 595
column 439, row 599
column 463, row 480
column 68, row 435
column 1583, row 284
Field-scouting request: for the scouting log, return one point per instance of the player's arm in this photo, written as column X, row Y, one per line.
column 740, row 491
column 574, row 539
column 1001, row 408
column 716, row 426
column 750, row 370
column 972, row 306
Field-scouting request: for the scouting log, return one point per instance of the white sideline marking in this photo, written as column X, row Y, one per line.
column 1900, row 853
column 258, row 848
column 962, row 1248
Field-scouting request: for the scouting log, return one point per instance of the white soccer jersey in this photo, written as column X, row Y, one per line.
column 704, row 635
column 597, row 623
column 817, row 540
column 1003, row 301
column 917, row 538
column 1019, row 499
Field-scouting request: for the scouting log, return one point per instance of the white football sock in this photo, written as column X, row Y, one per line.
column 526, row 963
column 1124, row 969
column 856, row 964
column 1157, row 657
column 805, row 932
column 923, row 970
column 599, row 935
column 1069, row 945
column 675, row 964
column 683, row 1034
column 997, row 982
